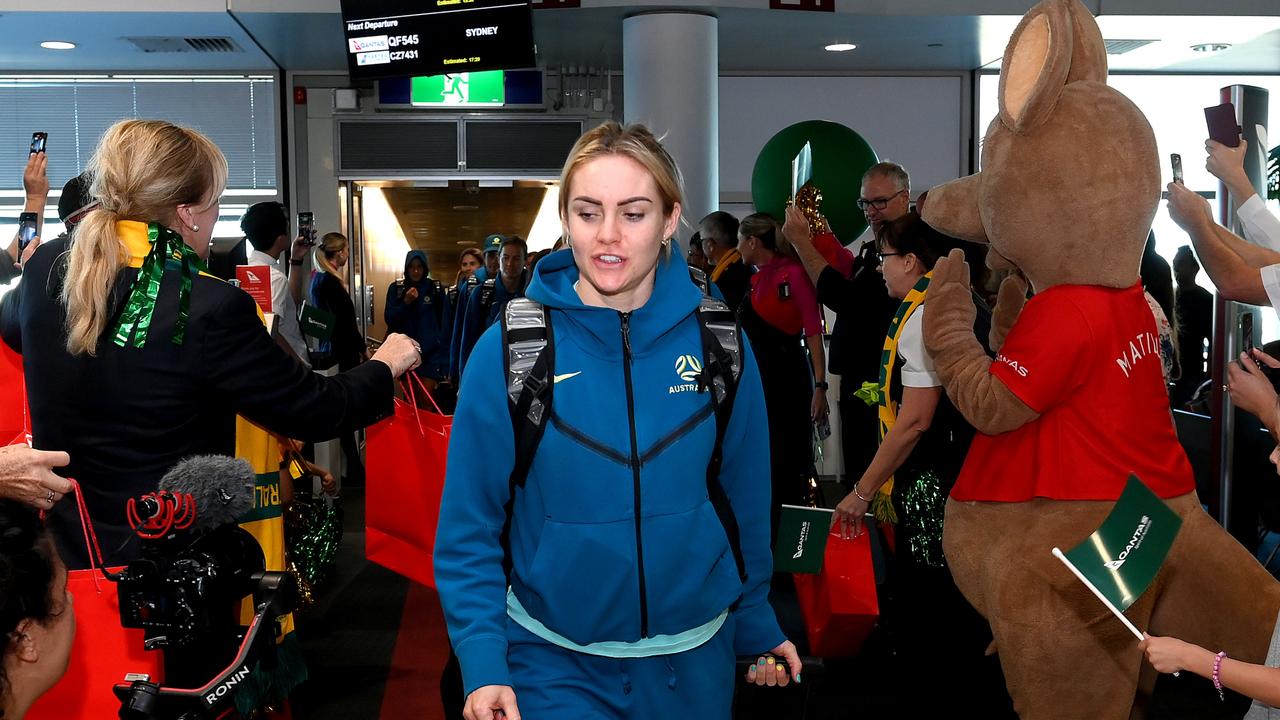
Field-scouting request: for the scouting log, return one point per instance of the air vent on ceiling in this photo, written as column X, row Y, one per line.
column 185, row 44
column 1120, row 47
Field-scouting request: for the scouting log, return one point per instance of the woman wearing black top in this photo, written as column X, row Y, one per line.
column 346, row 348
column 134, row 359
column 329, row 293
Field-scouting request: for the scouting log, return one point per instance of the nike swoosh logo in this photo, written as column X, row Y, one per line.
column 566, row 376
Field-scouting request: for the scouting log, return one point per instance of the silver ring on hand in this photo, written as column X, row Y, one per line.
column 50, row 498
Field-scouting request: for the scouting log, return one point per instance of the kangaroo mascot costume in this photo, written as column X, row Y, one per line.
column 1074, row 401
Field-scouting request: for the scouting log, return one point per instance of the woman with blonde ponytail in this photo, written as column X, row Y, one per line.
column 329, row 292
column 136, row 358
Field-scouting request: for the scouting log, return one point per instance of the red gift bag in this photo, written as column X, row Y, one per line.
column 839, row 604
column 103, row 651
column 13, row 398
column 405, row 463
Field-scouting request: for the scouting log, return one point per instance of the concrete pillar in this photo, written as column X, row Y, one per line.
column 670, row 83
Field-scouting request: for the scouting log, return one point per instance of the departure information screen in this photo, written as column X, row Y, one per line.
column 395, row 38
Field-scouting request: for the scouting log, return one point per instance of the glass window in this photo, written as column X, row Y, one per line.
column 238, row 113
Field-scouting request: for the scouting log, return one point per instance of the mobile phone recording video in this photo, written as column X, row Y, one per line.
column 307, row 226
column 27, row 224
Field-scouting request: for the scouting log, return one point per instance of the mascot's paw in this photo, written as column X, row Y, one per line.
column 949, row 270
column 1013, row 295
column 951, row 311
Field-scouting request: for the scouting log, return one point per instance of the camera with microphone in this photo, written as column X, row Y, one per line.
column 185, row 591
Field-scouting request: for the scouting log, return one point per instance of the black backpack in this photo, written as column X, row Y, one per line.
column 529, row 362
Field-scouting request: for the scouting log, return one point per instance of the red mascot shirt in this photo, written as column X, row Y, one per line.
column 1087, row 359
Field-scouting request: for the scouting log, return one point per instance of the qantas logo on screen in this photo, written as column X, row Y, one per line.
column 368, row 44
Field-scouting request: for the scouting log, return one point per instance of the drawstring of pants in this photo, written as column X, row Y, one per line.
column 625, row 677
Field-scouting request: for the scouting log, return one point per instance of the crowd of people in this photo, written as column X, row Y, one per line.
column 668, row 500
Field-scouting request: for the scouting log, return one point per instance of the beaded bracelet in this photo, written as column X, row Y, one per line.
column 1217, row 677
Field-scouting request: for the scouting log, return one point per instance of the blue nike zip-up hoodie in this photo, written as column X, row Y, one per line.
column 630, row 437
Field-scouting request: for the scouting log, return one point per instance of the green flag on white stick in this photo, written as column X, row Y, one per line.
column 1121, row 558
column 802, row 539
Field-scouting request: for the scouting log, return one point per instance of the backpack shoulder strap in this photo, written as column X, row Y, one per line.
column 722, row 369
column 529, row 361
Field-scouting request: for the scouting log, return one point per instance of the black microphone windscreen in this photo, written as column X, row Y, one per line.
column 222, row 487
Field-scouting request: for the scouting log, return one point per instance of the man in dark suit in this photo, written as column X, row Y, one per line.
column 863, row 310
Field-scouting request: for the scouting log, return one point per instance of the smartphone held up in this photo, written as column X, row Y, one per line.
column 1176, row 161
column 307, row 226
column 39, row 140
column 27, row 228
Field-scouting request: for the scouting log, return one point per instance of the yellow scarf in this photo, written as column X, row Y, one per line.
column 882, row 505
column 728, row 258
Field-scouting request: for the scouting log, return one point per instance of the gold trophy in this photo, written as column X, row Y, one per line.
column 804, row 194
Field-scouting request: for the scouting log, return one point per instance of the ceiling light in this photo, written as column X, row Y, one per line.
column 465, row 208
column 841, row 47
column 57, row 45
column 1210, row 47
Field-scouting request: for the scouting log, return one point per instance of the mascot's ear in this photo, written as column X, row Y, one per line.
column 1088, row 51
column 952, row 209
column 1035, row 65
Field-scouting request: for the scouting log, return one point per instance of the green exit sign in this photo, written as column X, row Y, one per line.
column 466, row 89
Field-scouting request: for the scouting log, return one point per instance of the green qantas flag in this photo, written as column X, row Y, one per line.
column 802, row 539
column 1122, row 557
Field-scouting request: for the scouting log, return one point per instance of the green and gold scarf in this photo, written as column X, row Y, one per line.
column 882, row 504
column 163, row 250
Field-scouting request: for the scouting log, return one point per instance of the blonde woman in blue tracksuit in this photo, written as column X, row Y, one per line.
column 624, row 599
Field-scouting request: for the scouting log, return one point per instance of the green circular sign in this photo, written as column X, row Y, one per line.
column 840, row 157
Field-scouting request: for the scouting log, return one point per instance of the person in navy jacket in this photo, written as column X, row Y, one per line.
column 418, row 307
column 623, row 598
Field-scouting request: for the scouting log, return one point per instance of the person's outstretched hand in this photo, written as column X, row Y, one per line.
column 26, row 475
column 35, row 178
column 400, row 353
column 1171, row 655
column 1252, row 391
column 490, row 702
column 796, row 227
column 1187, row 208
column 1226, row 163
column 778, row 672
